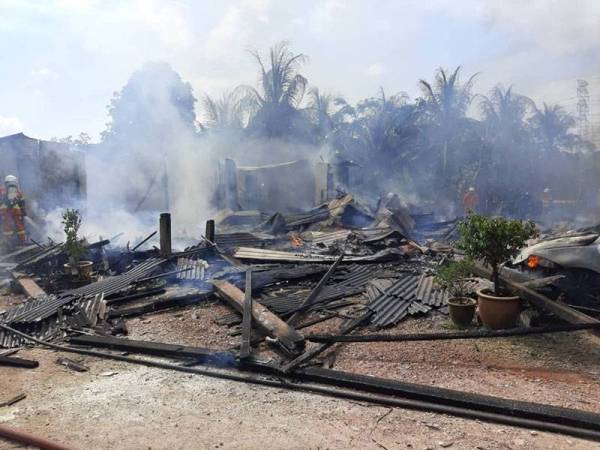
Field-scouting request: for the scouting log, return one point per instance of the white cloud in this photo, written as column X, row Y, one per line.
column 44, row 72
column 237, row 28
column 166, row 19
column 558, row 26
column 10, row 125
column 375, row 70
column 326, row 14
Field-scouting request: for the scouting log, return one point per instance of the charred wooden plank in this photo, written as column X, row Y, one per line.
column 165, row 235
column 73, row 365
column 171, row 299
column 477, row 334
column 310, row 354
column 268, row 322
column 28, row 285
column 312, row 297
column 247, row 317
column 18, row 362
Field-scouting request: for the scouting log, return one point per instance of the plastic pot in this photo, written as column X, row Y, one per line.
column 462, row 310
column 498, row 312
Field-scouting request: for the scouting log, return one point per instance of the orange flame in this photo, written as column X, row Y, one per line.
column 533, row 261
column 296, row 241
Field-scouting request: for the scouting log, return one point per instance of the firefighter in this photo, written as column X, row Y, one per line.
column 12, row 211
column 470, row 200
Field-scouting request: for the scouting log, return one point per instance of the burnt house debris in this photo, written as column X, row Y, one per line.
column 288, row 186
column 279, row 272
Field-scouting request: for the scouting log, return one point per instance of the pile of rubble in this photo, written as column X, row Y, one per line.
column 377, row 268
column 278, row 273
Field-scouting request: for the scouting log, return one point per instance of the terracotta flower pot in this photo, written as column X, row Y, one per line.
column 84, row 270
column 462, row 310
column 498, row 312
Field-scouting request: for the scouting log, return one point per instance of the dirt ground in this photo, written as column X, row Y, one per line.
column 118, row 405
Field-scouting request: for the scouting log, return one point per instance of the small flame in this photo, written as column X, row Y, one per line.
column 533, row 261
column 297, row 241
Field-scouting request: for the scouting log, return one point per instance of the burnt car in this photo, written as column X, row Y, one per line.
column 575, row 257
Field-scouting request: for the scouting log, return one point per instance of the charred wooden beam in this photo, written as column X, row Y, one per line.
column 384, row 391
column 310, row 354
column 165, row 235
column 265, row 320
column 247, row 317
column 150, row 236
column 199, row 354
column 171, row 299
column 28, row 285
column 478, row 334
column 312, row 297
column 209, row 232
column 18, row 362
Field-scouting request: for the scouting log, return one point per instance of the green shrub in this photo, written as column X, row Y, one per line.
column 494, row 240
column 453, row 277
column 74, row 245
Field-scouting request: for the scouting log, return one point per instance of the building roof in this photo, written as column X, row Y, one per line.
column 16, row 136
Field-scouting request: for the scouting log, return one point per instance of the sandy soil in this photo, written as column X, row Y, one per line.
column 116, row 405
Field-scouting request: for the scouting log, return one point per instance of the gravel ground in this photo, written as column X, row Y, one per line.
column 116, row 405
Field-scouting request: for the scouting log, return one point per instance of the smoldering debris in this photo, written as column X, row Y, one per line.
column 366, row 269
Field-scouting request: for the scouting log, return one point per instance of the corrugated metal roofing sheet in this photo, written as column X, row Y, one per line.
column 276, row 255
column 429, row 294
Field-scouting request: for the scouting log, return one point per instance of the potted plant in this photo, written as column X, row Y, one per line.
column 494, row 240
column 453, row 278
column 75, row 246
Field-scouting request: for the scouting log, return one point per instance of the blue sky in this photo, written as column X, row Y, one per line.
column 61, row 60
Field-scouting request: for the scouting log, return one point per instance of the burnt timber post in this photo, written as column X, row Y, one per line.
column 247, row 317
column 165, row 235
column 209, row 233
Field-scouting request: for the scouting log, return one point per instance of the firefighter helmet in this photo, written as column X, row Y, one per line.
column 11, row 180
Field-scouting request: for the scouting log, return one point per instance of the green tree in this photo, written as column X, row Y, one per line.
column 154, row 105
column 504, row 115
column 281, row 91
column 229, row 112
column 327, row 114
column 552, row 125
column 386, row 124
column 444, row 106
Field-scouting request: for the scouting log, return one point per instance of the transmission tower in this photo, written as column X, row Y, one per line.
column 583, row 109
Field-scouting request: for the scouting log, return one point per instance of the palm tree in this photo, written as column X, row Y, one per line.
column 445, row 103
column 281, row 91
column 551, row 126
column 229, row 112
column 381, row 120
column 327, row 113
column 384, row 137
column 504, row 114
column 508, row 162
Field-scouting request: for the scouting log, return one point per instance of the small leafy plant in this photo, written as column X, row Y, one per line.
column 494, row 240
column 453, row 277
column 74, row 245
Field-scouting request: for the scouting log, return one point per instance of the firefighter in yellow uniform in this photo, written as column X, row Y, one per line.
column 12, row 212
